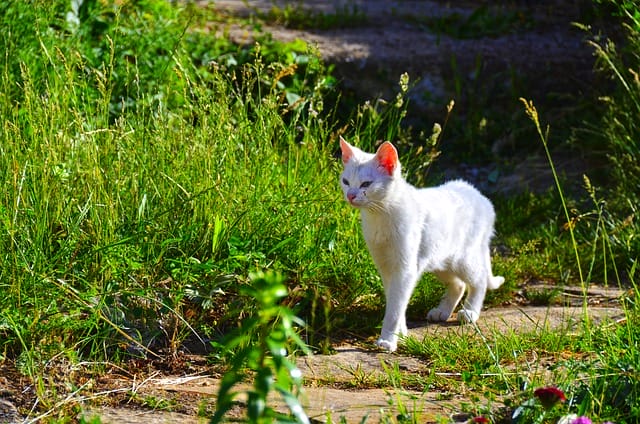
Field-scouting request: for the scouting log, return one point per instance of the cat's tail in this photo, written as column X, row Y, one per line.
column 495, row 281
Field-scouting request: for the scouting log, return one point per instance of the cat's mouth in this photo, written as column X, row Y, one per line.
column 356, row 203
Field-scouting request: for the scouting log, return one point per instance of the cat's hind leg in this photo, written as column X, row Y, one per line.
column 470, row 312
column 479, row 282
column 451, row 298
column 477, row 286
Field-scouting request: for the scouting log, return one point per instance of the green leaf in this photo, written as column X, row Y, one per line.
column 294, row 406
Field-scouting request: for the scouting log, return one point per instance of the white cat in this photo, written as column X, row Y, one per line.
column 445, row 230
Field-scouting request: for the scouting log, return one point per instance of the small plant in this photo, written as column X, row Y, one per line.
column 259, row 348
column 535, row 409
column 298, row 17
column 544, row 408
column 542, row 296
column 483, row 22
column 544, row 136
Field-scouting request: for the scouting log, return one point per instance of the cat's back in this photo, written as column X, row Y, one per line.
column 457, row 194
column 462, row 188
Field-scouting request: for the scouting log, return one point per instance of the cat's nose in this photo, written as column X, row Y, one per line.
column 350, row 197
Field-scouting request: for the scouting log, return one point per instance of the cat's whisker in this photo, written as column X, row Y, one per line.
column 376, row 206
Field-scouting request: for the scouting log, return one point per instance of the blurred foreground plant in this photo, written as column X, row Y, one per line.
column 259, row 348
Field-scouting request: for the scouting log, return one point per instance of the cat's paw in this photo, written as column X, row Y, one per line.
column 438, row 315
column 403, row 331
column 388, row 345
column 466, row 316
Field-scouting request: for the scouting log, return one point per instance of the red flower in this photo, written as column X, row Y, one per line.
column 480, row 420
column 549, row 396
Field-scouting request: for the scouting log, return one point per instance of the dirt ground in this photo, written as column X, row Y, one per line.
column 369, row 58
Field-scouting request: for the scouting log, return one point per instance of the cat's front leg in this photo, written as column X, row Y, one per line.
column 394, row 323
column 389, row 341
column 389, row 344
column 389, row 336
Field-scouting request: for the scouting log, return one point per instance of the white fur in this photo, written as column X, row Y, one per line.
column 445, row 230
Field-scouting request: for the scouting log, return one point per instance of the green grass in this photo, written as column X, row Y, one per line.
column 482, row 22
column 296, row 15
column 591, row 366
column 149, row 168
column 140, row 191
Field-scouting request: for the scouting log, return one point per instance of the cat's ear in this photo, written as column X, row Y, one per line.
column 347, row 151
column 387, row 157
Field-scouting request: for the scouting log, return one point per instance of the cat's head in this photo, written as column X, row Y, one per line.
column 368, row 178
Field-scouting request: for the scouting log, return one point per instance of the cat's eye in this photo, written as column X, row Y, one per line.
column 345, row 181
column 365, row 184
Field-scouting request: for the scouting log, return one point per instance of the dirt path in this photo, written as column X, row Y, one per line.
column 537, row 41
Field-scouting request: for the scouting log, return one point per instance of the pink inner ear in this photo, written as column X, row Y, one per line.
column 387, row 157
column 347, row 153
